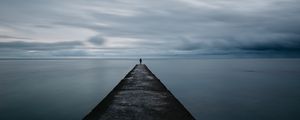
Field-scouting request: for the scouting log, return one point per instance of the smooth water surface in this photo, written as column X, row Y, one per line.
column 211, row 89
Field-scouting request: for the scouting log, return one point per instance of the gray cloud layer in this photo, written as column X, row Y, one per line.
column 40, row 46
column 151, row 28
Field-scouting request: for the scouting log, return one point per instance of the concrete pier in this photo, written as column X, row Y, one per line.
column 139, row 96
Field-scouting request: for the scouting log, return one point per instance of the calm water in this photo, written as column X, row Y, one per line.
column 224, row 89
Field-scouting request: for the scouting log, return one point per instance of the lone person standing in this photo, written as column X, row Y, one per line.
column 141, row 60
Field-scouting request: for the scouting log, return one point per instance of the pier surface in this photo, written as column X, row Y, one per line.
column 139, row 96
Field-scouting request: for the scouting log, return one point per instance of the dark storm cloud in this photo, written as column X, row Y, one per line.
column 284, row 47
column 176, row 27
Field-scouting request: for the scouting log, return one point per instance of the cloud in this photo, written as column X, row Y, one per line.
column 11, row 37
column 21, row 45
column 96, row 40
column 161, row 28
column 68, row 53
column 288, row 46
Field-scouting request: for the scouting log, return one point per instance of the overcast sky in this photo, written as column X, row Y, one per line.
column 149, row 28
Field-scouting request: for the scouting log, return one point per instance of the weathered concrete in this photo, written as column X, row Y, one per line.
column 139, row 96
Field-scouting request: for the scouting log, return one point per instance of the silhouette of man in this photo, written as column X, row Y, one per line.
column 141, row 60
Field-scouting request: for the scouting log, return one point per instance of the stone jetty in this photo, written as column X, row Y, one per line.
column 140, row 96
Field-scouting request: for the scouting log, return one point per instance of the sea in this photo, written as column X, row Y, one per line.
column 211, row 89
